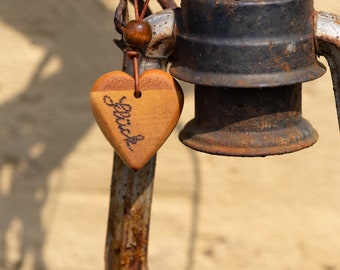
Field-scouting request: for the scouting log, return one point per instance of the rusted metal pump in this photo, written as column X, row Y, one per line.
column 248, row 60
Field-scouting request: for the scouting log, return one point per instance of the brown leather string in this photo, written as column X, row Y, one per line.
column 145, row 7
column 135, row 5
column 132, row 53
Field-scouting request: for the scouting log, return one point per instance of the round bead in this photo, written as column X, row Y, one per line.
column 137, row 34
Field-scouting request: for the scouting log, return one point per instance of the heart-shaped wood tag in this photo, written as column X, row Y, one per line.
column 136, row 127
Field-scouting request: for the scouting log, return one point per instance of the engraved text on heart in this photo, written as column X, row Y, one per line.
column 122, row 114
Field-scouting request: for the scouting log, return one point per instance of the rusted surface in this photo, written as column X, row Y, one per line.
column 327, row 35
column 121, row 16
column 247, row 60
column 129, row 217
column 248, row 122
column 245, row 43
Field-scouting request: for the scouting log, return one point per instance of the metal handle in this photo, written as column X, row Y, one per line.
column 327, row 36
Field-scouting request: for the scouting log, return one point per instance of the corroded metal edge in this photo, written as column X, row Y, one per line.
column 327, row 39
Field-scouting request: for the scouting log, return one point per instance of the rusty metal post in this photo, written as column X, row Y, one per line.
column 131, row 192
column 129, row 216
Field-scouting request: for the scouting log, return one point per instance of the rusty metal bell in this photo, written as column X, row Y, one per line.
column 248, row 60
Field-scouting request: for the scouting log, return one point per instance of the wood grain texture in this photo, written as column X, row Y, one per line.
column 136, row 127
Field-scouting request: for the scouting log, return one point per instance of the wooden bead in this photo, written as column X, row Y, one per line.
column 137, row 34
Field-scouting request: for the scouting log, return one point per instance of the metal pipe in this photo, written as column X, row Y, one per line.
column 129, row 216
column 131, row 192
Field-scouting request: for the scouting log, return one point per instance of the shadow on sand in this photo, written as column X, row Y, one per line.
column 42, row 125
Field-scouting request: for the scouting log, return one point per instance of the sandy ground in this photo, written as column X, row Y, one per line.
column 208, row 212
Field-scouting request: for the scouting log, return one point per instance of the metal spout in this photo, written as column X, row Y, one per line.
column 248, row 121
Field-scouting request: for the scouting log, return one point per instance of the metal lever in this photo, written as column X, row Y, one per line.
column 327, row 36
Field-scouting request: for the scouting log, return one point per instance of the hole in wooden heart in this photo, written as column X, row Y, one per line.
column 137, row 94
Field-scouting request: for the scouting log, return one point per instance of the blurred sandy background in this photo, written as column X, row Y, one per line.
column 208, row 212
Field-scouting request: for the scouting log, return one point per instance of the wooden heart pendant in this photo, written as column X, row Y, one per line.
column 136, row 127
